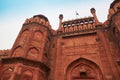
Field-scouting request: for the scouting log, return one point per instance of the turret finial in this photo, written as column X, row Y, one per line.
column 60, row 21
column 93, row 11
column 61, row 16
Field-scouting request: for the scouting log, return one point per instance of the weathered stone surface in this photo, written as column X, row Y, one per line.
column 81, row 49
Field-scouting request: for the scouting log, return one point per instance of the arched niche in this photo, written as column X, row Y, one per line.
column 32, row 53
column 38, row 35
column 24, row 35
column 26, row 75
column 18, row 52
column 6, row 74
column 83, row 69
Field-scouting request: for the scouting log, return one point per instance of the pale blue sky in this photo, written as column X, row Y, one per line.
column 14, row 12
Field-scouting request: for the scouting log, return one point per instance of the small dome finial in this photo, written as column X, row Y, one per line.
column 92, row 10
column 61, row 16
column 41, row 16
column 60, row 21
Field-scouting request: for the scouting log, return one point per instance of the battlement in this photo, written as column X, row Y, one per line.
column 80, row 27
column 78, row 24
column 40, row 19
column 4, row 53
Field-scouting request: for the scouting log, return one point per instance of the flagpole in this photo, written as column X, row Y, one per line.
column 77, row 14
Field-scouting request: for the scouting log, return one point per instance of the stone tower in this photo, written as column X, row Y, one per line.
column 29, row 54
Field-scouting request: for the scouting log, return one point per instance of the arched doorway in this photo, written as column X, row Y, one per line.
column 83, row 69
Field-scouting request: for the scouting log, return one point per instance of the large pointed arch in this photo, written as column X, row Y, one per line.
column 81, row 69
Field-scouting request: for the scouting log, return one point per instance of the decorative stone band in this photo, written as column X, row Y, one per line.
column 70, row 33
column 77, row 22
column 79, row 25
column 27, row 62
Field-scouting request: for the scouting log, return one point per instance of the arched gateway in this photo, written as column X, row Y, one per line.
column 83, row 69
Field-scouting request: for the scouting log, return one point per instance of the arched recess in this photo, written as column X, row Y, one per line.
column 32, row 53
column 6, row 74
column 38, row 35
column 83, row 69
column 26, row 75
column 24, row 35
column 18, row 52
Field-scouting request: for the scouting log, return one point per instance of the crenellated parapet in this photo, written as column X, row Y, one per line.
column 40, row 19
column 81, row 25
column 4, row 53
column 85, row 24
column 78, row 24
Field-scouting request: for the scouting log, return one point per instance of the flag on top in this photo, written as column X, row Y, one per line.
column 76, row 13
